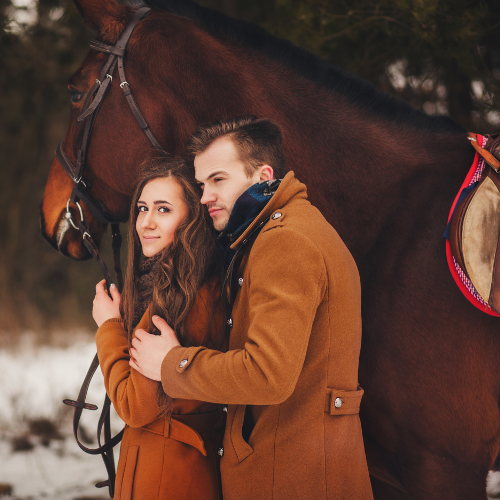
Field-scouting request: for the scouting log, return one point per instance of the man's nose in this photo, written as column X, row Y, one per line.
column 208, row 196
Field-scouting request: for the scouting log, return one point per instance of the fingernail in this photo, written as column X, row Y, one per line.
column 156, row 317
column 113, row 285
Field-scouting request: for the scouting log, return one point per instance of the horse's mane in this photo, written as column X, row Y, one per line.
column 358, row 91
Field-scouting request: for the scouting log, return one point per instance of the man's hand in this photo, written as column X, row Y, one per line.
column 104, row 307
column 148, row 351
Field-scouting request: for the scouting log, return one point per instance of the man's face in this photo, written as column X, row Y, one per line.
column 223, row 179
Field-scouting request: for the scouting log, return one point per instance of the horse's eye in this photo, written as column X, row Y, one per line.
column 75, row 96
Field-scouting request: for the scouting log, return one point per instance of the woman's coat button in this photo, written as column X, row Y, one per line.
column 338, row 402
column 240, row 281
column 276, row 215
column 230, row 322
column 224, row 408
column 221, row 452
column 183, row 363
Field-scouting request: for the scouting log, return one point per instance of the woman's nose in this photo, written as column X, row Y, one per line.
column 147, row 220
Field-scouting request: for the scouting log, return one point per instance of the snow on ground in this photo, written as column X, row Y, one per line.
column 33, row 382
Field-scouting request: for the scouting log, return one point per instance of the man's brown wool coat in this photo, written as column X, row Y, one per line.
column 293, row 361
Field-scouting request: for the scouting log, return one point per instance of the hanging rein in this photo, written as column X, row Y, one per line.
column 82, row 192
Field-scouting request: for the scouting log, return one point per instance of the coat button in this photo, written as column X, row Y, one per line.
column 221, row 452
column 240, row 281
column 183, row 363
column 338, row 402
column 230, row 322
column 276, row 215
column 224, row 408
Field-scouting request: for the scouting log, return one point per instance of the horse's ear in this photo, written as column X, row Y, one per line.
column 107, row 17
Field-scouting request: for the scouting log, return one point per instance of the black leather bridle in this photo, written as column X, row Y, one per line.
column 82, row 188
column 82, row 191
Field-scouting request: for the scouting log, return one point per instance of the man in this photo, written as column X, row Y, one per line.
column 290, row 375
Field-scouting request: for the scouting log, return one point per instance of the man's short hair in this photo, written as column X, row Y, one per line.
column 259, row 141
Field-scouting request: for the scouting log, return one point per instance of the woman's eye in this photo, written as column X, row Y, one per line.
column 75, row 96
column 163, row 210
column 142, row 209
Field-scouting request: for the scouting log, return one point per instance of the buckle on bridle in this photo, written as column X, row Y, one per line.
column 69, row 217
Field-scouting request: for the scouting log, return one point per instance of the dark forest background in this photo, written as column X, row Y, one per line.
column 441, row 56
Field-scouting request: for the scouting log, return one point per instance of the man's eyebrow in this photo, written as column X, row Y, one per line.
column 215, row 174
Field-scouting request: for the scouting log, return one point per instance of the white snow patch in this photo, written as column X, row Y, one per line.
column 33, row 383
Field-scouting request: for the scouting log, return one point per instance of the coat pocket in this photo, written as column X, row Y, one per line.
column 129, row 473
column 241, row 447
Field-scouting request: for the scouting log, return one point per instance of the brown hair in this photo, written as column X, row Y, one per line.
column 183, row 267
column 259, row 141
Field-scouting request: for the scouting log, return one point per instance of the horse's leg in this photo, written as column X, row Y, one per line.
column 435, row 478
column 386, row 491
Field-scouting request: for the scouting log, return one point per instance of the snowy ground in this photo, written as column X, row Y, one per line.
column 33, row 382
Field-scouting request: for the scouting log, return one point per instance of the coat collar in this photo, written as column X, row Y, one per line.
column 289, row 188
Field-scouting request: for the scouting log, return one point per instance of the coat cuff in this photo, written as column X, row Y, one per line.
column 114, row 325
column 114, row 320
column 176, row 362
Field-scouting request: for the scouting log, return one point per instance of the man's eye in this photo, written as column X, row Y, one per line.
column 75, row 96
column 217, row 179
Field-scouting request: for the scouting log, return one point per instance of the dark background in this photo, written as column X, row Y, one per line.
column 441, row 56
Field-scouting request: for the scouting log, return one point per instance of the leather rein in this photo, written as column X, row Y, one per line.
column 82, row 192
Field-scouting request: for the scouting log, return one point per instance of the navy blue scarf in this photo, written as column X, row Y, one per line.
column 247, row 207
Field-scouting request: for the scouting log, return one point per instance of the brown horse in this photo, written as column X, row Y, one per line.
column 383, row 174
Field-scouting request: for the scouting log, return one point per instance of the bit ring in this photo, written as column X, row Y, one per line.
column 68, row 215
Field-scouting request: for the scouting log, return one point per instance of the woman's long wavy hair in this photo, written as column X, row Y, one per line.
column 192, row 260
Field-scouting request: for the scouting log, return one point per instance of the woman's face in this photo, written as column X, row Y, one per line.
column 161, row 210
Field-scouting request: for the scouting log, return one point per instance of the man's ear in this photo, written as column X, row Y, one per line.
column 266, row 173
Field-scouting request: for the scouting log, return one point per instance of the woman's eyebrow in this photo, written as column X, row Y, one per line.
column 162, row 201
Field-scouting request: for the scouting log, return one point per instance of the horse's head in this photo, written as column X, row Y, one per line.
column 181, row 74
column 108, row 155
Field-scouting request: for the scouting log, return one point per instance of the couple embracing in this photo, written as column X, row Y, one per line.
column 248, row 389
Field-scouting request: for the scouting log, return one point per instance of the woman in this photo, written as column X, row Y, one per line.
column 169, row 448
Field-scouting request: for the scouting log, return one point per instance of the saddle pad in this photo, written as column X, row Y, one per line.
column 471, row 240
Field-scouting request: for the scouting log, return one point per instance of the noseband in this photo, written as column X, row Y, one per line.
column 92, row 104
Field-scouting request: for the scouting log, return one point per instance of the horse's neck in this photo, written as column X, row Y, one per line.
column 364, row 173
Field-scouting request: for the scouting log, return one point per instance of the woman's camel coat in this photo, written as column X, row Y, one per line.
column 162, row 458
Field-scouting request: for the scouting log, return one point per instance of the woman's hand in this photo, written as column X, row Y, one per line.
column 104, row 307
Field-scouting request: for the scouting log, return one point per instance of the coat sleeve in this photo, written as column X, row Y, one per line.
column 134, row 396
column 287, row 280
